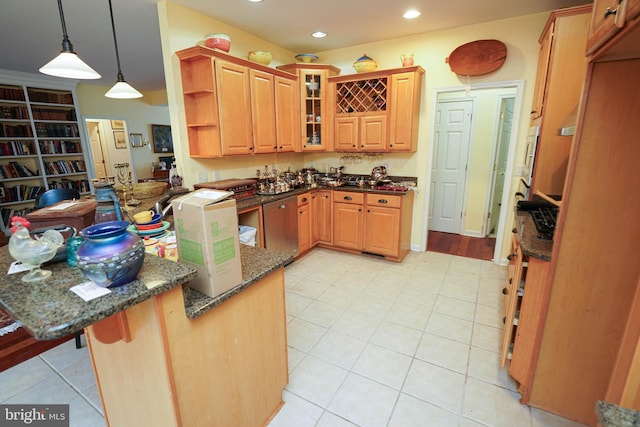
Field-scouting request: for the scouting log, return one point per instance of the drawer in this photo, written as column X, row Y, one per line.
column 384, row 200
column 348, row 197
column 303, row 199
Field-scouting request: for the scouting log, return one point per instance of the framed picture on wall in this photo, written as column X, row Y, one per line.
column 167, row 161
column 119, row 139
column 161, row 136
column 135, row 139
column 117, row 124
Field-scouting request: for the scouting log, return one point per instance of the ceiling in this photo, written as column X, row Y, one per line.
column 31, row 34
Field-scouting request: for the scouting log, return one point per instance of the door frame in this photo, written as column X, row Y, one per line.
column 494, row 154
column 513, row 145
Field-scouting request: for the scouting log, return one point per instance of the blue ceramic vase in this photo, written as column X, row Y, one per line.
column 110, row 255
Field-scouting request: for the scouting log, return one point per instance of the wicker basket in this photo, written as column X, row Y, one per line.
column 146, row 190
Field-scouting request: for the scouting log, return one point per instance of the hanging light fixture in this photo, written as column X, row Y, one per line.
column 122, row 89
column 68, row 64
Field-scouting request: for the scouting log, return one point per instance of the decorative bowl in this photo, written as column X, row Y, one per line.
column 307, row 57
column 145, row 190
column 260, row 56
column 155, row 219
column 365, row 64
column 218, row 41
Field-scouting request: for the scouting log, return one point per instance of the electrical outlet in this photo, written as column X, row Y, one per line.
column 216, row 175
column 201, row 177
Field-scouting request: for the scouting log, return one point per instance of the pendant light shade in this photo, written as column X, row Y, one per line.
column 122, row 89
column 68, row 64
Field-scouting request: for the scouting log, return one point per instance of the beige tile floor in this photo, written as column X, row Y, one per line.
column 371, row 343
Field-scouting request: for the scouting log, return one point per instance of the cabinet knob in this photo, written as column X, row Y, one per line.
column 514, row 230
column 610, row 11
column 304, row 199
column 512, row 256
column 348, row 198
column 505, row 291
column 383, row 201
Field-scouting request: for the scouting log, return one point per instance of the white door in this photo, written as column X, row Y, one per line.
column 97, row 153
column 448, row 175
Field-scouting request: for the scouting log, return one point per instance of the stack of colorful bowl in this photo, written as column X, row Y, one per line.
column 149, row 224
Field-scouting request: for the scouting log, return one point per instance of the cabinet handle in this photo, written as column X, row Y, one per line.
column 505, row 291
column 304, row 199
column 383, row 201
column 510, row 280
column 610, row 11
column 512, row 256
column 250, row 148
column 504, row 319
column 347, row 198
column 514, row 230
column 534, row 111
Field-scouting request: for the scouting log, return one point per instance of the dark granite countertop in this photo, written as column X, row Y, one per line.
column 256, row 264
column 252, row 202
column 49, row 310
column 610, row 415
column 528, row 238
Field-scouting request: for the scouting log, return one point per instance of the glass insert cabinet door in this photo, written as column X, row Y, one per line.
column 313, row 109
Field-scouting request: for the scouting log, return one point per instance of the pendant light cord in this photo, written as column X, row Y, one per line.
column 66, row 43
column 115, row 43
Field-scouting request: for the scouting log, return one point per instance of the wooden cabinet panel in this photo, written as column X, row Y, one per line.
column 544, row 57
column 347, row 225
column 514, row 283
column 373, row 133
column 304, row 228
column 346, row 134
column 287, row 116
column 404, row 111
column 321, row 217
column 234, row 108
column 263, row 114
column 382, row 230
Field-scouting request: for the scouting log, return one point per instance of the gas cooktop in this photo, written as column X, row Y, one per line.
column 544, row 218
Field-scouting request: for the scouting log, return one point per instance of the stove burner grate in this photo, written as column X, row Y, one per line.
column 544, row 220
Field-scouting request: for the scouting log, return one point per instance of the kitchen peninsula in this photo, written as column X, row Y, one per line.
column 164, row 354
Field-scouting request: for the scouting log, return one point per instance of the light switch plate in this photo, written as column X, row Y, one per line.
column 201, row 177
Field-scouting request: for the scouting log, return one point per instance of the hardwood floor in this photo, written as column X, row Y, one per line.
column 455, row 244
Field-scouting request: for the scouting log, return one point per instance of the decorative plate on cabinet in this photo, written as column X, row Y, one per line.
column 307, row 57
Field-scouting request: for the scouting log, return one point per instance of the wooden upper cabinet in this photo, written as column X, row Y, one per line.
column 263, row 113
column 287, row 115
column 606, row 20
column 544, row 56
column 315, row 118
column 404, row 110
column 237, row 107
column 377, row 111
column 565, row 71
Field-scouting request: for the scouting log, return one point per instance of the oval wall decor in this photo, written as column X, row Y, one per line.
column 477, row 58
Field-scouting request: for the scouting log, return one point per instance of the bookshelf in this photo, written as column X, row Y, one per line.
column 41, row 143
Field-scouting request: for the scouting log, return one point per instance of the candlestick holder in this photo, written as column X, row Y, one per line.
column 124, row 177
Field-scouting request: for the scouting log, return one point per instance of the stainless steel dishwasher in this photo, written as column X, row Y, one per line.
column 281, row 225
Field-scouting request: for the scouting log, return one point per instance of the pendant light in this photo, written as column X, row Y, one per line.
column 68, row 64
column 122, row 89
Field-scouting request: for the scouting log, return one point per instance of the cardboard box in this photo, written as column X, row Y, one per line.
column 206, row 225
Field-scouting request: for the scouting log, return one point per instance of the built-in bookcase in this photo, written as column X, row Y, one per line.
column 41, row 144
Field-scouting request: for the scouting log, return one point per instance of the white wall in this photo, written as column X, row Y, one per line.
column 138, row 113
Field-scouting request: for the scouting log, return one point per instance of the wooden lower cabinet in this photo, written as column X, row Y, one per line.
column 304, row 223
column 321, row 218
column 348, row 220
column 227, row 367
column 511, row 299
column 375, row 223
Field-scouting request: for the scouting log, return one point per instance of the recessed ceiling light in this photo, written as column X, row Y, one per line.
column 319, row 34
column 255, row 1
column 411, row 13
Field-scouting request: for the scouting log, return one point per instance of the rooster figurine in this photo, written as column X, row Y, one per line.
column 33, row 252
